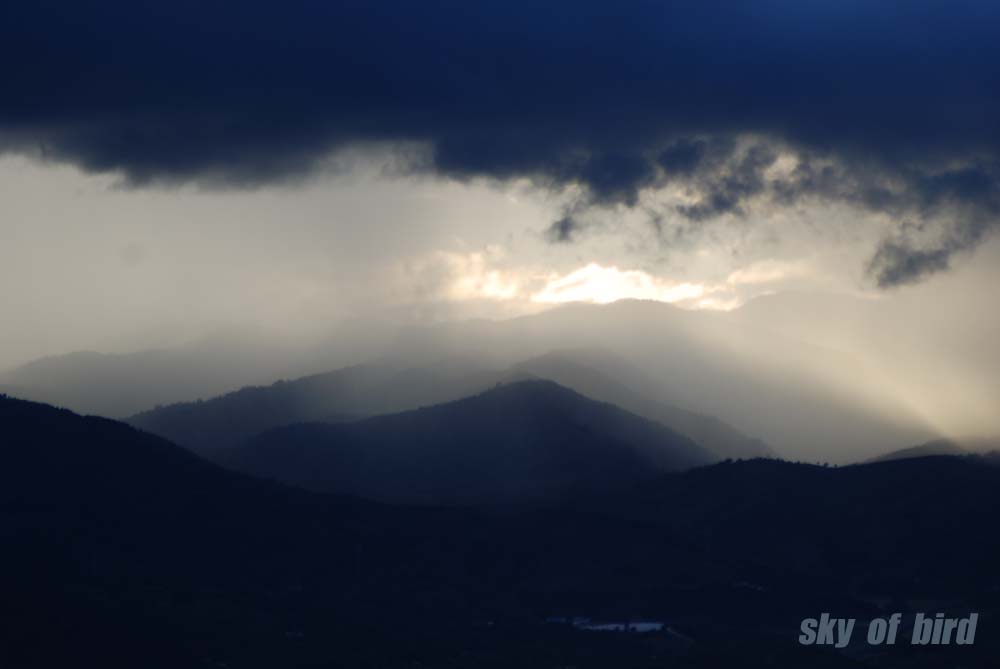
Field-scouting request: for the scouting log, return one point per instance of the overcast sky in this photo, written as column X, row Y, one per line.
column 89, row 264
column 170, row 170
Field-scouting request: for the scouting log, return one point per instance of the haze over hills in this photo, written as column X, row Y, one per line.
column 386, row 387
column 609, row 378
column 931, row 448
column 118, row 385
column 806, row 398
column 116, row 541
column 359, row 391
column 122, row 384
column 520, row 442
column 943, row 447
column 941, row 360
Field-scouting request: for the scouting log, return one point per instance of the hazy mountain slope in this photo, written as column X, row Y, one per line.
column 917, row 355
column 979, row 446
column 220, row 423
column 109, row 385
column 119, row 385
column 523, row 441
column 607, row 378
column 804, row 398
column 386, row 387
column 937, row 447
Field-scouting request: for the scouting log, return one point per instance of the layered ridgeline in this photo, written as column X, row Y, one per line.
column 981, row 446
column 116, row 385
column 122, row 550
column 221, row 423
column 602, row 376
column 931, row 448
column 797, row 391
column 524, row 441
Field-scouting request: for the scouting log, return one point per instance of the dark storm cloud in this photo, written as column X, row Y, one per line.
column 964, row 204
column 614, row 97
column 897, row 263
column 563, row 230
column 723, row 190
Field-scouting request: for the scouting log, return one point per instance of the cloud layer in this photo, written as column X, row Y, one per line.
column 890, row 107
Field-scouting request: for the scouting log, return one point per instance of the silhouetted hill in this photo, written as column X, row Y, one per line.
column 121, row 550
column 122, row 384
column 521, row 441
column 805, row 396
column 937, row 447
column 608, row 378
column 212, row 426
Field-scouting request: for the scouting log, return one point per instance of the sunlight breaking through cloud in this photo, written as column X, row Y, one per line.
column 601, row 285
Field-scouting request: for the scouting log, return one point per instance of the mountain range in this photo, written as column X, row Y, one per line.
column 116, row 385
column 520, row 442
column 801, row 394
column 383, row 387
column 117, row 542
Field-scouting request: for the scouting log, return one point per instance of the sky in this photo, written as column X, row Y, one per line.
column 173, row 170
column 92, row 264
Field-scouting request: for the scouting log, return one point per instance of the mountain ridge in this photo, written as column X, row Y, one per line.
column 364, row 390
column 525, row 440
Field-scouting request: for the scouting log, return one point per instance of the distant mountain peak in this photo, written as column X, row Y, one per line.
column 931, row 448
column 526, row 440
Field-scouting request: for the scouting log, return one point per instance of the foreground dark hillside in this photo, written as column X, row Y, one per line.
column 121, row 550
column 117, row 543
column 519, row 442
